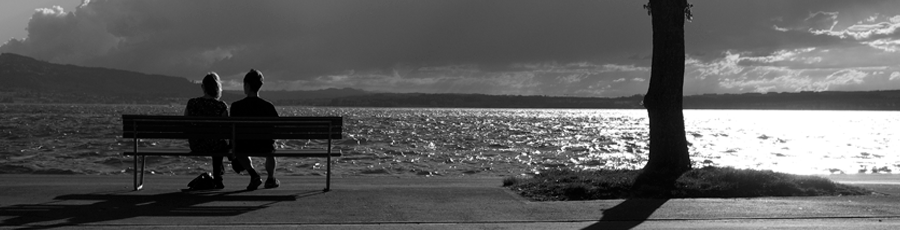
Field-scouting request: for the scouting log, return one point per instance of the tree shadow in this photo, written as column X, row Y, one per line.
column 107, row 206
column 628, row 214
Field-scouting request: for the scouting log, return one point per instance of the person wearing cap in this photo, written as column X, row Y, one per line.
column 254, row 106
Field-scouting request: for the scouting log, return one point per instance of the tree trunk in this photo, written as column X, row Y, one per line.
column 668, row 147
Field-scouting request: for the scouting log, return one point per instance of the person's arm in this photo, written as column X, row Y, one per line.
column 225, row 111
column 274, row 112
column 186, row 109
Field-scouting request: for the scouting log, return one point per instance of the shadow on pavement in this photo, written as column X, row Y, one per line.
column 76, row 209
column 628, row 214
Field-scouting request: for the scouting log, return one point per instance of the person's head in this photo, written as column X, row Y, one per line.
column 211, row 85
column 253, row 81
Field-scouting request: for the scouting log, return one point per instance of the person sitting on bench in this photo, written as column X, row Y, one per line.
column 209, row 105
column 254, row 106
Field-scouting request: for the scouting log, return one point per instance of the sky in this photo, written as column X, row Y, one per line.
column 591, row 48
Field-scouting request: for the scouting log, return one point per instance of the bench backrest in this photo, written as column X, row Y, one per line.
column 183, row 127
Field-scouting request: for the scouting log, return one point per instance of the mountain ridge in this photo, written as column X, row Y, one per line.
column 25, row 79
column 28, row 80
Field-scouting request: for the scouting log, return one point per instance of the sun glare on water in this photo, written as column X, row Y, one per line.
column 86, row 139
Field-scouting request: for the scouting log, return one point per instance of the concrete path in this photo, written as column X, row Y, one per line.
column 107, row 202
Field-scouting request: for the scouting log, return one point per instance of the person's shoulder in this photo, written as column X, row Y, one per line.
column 222, row 103
column 194, row 99
column 238, row 102
column 264, row 101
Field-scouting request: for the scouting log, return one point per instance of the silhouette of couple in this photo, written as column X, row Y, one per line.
column 252, row 105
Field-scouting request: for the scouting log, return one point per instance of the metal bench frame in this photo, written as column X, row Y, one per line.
column 179, row 127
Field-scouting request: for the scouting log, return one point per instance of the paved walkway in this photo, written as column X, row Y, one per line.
column 106, row 202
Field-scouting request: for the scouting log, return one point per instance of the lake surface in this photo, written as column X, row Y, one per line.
column 86, row 139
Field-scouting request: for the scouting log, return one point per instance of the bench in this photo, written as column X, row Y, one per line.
column 183, row 127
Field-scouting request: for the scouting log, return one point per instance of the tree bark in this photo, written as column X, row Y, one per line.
column 668, row 157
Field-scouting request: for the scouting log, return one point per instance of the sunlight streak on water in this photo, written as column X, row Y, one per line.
column 803, row 142
column 490, row 142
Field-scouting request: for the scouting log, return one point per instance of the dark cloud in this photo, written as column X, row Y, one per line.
column 572, row 47
column 310, row 38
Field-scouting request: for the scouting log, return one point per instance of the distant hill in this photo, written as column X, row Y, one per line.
column 827, row 100
column 25, row 79
column 485, row 101
column 312, row 97
column 32, row 80
column 870, row 100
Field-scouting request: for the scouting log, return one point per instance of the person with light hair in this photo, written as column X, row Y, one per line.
column 209, row 105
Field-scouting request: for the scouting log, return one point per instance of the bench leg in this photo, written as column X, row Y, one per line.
column 134, row 172
column 328, row 174
column 143, row 162
column 139, row 184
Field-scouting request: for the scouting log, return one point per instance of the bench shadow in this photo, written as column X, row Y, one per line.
column 628, row 214
column 108, row 206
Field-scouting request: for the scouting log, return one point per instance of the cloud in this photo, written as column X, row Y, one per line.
column 571, row 79
column 843, row 77
column 862, row 31
column 856, row 24
column 783, row 71
column 885, row 44
column 794, row 80
column 871, row 23
column 833, row 24
column 64, row 37
column 532, row 47
column 822, row 19
column 307, row 39
column 786, row 55
column 775, row 27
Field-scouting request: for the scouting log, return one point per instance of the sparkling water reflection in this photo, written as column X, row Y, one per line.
column 490, row 142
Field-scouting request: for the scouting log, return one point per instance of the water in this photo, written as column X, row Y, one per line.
column 85, row 139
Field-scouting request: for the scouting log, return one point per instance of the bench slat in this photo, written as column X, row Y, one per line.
column 126, row 125
column 336, row 121
column 277, row 153
column 228, row 136
column 183, row 127
column 211, row 129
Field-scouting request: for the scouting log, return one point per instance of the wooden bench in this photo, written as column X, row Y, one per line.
column 183, row 127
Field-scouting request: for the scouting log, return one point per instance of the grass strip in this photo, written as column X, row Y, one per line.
column 709, row 182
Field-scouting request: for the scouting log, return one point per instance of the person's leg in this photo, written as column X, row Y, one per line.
column 255, row 181
column 271, row 182
column 247, row 165
column 270, row 166
column 218, row 171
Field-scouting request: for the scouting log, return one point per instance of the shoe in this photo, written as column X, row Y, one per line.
column 219, row 185
column 272, row 183
column 254, row 183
